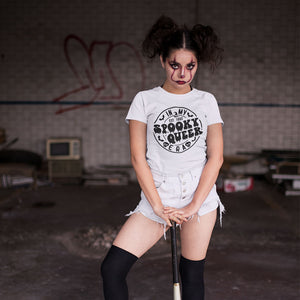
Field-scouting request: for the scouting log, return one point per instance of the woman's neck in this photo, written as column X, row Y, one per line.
column 171, row 89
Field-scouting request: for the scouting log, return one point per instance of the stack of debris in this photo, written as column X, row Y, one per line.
column 18, row 168
column 230, row 181
column 282, row 167
column 107, row 175
column 284, row 170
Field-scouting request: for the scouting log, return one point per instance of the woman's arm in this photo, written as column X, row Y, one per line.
column 138, row 142
column 209, row 174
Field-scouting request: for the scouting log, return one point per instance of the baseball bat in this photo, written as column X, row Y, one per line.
column 176, row 284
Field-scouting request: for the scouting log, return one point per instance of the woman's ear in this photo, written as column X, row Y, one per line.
column 162, row 61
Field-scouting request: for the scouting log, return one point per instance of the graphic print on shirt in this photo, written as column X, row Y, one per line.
column 177, row 129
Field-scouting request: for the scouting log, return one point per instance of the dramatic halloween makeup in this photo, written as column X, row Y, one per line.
column 180, row 67
column 184, row 73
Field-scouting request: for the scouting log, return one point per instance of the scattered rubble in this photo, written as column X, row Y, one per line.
column 96, row 238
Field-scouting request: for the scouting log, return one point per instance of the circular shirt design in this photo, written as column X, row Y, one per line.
column 177, row 129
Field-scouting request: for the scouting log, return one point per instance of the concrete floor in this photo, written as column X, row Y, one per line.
column 52, row 243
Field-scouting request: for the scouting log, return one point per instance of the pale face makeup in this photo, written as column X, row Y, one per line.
column 180, row 68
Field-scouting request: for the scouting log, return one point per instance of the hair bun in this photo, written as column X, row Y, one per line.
column 163, row 28
column 208, row 43
column 204, row 34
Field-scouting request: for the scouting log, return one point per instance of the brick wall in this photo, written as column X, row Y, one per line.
column 56, row 57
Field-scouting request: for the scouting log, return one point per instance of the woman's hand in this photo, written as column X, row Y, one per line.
column 185, row 213
column 176, row 217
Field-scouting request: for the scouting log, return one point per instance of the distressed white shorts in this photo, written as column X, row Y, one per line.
column 177, row 190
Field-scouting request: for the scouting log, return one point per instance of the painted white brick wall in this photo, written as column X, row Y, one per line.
column 104, row 132
column 261, row 65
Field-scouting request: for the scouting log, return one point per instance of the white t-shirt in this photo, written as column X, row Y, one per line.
column 176, row 127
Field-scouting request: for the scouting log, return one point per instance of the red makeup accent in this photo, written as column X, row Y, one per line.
column 191, row 76
column 173, row 75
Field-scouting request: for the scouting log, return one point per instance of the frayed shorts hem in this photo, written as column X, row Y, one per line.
column 152, row 216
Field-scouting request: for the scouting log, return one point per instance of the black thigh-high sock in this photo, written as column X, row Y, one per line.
column 192, row 280
column 114, row 270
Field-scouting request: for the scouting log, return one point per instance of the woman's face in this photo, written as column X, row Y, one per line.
column 180, row 67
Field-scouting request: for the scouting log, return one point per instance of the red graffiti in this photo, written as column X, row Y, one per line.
column 93, row 76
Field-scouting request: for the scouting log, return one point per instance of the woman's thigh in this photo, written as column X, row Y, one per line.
column 138, row 234
column 195, row 235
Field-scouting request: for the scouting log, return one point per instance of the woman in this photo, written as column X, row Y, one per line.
column 176, row 150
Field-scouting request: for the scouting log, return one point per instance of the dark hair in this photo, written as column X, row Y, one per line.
column 165, row 35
